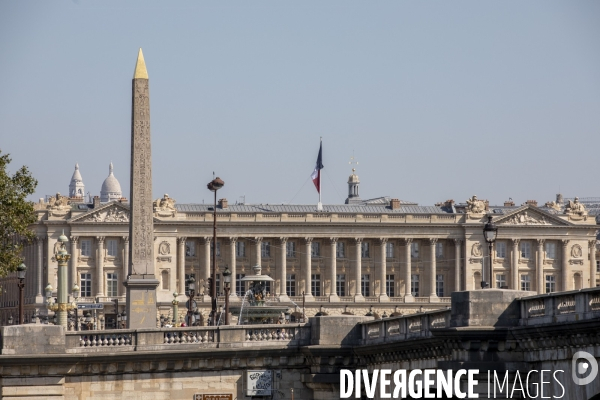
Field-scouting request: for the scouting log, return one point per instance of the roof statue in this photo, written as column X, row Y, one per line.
column 475, row 206
column 575, row 208
column 58, row 205
column 165, row 207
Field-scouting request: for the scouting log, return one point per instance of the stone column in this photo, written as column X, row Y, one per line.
column 541, row 287
column 40, row 265
column 308, row 268
column 593, row 263
column 358, row 296
column 283, row 269
column 232, row 267
column 516, row 284
column 383, row 296
column 407, row 271
column 333, row 296
column 100, row 266
column 457, row 264
column 205, row 269
column 181, row 263
column 258, row 251
column 125, row 258
column 432, row 271
column 73, row 273
column 565, row 265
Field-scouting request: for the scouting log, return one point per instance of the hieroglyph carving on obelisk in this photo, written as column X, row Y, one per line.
column 141, row 283
column 141, row 227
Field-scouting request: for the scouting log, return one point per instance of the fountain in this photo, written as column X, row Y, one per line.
column 255, row 308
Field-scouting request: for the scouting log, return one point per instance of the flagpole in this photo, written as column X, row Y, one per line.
column 320, row 205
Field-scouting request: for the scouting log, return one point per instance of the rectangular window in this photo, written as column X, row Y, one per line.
column 439, row 285
column 389, row 285
column 597, row 265
column 111, row 247
column 85, row 287
column 439, row 250
column 550, row 284
column 414, row 250
column 187, row 285
column 341, row 284
column 365, row 286
column 240, row 249
column 219, row 285
column 364, row 250
column 500, row 281
column 525, row 282
column 291, row 284
column 389, row 250
column 265, row 249
column 500, row 250
column 218, row 249
column 315, row 249
column 525, row 250
column 268, row 287
column 339, row 250
column 86, row 248
column 290, row 249
column 240, row 287
column 414, row 285
column 111, row 284
column 190, row 248
column 315, row 284
column 550, row 250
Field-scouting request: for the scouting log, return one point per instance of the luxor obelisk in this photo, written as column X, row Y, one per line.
column 141, row 283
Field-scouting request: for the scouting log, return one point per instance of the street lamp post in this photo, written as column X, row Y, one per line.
column 191, row 293
column 75, row 292
column 21, row 270
column 214, row 186
column 63, row 258
column 490, row 232
column 175, row 304
column 227, row 286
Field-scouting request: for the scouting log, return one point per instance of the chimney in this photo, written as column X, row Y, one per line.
column 449, row 203
column 394, row 204
column 509, row 203
column 223, row 203
column 531, row 203
column 96, row 202
column 123, row 200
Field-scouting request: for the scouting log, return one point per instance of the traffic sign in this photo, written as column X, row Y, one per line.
column 90, row 306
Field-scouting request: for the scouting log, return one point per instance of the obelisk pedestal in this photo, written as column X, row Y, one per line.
column 141, row 282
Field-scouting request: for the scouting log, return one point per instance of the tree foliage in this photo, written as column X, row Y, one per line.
column 16, row 214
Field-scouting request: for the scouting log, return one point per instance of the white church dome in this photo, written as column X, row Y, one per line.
column 111, row 188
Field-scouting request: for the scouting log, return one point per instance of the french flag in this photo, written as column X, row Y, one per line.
column 316, row 175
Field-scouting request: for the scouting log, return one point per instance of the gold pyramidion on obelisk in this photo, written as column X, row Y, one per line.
column 141, row 283
column 140, row 67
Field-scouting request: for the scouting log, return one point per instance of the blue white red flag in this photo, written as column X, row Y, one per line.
column 316, row 175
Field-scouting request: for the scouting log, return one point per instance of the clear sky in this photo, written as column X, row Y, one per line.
column 436, row 100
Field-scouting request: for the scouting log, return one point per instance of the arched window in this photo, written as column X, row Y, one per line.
column 164, row 276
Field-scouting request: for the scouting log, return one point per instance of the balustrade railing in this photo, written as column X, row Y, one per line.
column 560, row 307
column 404, row 327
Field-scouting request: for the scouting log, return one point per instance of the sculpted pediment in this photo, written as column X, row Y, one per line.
column 530, row 216
column 112, row 212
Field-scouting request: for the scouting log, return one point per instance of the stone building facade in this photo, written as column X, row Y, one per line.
column 382, row 255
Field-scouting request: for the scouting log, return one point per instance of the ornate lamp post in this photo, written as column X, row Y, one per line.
column 21, row 270
column 75, row 292
column 175, row 304
column 227, row 286
column 191, row 293
column 490, row 232
column 214, row 186
column 49, row 305
column 63, row 258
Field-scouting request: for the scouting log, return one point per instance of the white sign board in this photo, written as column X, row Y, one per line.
column 259, row 382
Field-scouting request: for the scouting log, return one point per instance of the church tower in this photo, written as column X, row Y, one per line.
column 353, row 182
column 76, row 187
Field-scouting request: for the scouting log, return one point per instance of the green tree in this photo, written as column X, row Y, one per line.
column 16, row 214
